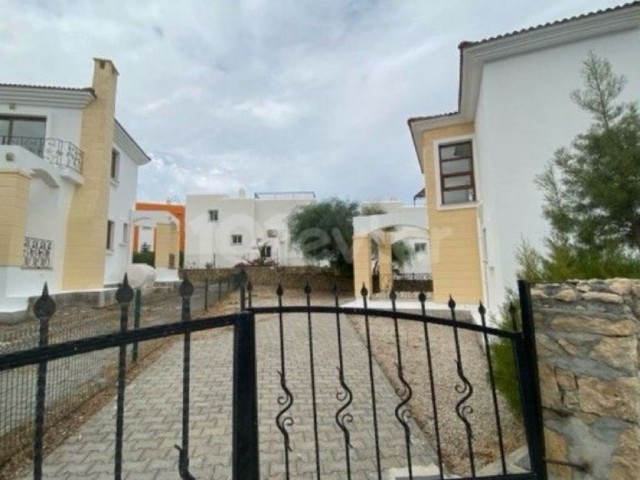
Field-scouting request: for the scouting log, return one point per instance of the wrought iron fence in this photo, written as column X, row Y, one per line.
column 64, row 154
column 33, row 144
column 336, row 405
column 54, row 150
column 37, row 253
column 412, row 276
column 73, row 380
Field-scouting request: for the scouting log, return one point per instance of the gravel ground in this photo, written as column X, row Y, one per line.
column 453, row 438
column 452, row 432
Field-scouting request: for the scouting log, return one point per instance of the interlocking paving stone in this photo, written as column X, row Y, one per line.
column 153, row 409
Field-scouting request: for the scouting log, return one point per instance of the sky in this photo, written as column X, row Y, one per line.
column 267, row 95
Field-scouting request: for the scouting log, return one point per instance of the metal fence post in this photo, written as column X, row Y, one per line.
column 44, row 308
column 124, row 295
column 186, row 291
column 137, row 303
column 245, row 401
column 532, row 403
column 206, row 294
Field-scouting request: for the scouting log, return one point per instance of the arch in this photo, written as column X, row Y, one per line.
column 385, row 230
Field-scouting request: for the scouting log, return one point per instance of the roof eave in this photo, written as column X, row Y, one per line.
column 46, row 96
column 125, row 141
column 474, row 55
column 419, row 125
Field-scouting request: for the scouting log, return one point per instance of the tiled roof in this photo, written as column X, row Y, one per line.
column 467, row 44
column 431, row 117
column 49, row 87
column 550, row 24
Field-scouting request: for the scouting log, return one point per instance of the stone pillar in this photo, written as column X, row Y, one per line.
column 385, row 264
column 86, row 238
column 587, row 343
column 14, row 205
column 163, row 244
column 174, row 244
column 361, row 263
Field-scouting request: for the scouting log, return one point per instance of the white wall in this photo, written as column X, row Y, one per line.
column 524, row 114
column 50, row 194
column 210, row 242
column 62, row 123
column 122, row 197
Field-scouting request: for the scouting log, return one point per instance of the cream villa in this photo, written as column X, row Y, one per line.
column 68, row 175
column 514, row 111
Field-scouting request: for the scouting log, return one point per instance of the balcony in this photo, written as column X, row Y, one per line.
column 54, row 150
column 37, row 253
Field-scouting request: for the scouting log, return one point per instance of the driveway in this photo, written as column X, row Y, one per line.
column 154, row 404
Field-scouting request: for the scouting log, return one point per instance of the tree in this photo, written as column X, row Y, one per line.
column 324, row 231
column 592, row 188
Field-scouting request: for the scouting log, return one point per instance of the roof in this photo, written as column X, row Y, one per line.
column 125, row 141
column 466, row 44
column 46, row 96
column 474, row 54
column 50, row 87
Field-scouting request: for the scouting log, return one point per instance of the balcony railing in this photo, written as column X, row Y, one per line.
column 37, row 253
column 54, row 150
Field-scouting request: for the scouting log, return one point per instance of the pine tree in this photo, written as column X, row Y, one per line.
column 592, row 188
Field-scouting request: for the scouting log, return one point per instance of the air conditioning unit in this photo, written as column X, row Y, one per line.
column 272, row 233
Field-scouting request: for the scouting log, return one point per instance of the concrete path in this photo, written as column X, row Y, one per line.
column 154, row 406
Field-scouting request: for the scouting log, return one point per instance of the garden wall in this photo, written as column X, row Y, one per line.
column 320, row 279
column 588, row 356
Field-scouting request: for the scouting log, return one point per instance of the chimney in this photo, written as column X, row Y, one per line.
column 84, row 265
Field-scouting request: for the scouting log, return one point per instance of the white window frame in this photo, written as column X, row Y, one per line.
column 126, row 233
column 234, row 236
column 436, row 165
column 110, row 235
column 114, row 173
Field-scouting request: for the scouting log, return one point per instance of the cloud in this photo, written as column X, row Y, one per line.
column 291, row 95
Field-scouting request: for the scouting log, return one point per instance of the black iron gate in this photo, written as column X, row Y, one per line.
column 246, row 446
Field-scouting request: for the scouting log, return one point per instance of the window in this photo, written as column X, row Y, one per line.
column 420, row 247
column 236, row 239
column 272, row 233
column 213, row 215
column 266, row 253
column 110, row 230
column 125, row 233
column 456, row 173
column 28, row 132
column 115, row 164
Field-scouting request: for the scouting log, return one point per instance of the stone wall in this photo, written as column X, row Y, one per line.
column 320, row 279
column 588, row 354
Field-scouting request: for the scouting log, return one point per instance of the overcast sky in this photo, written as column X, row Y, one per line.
column 266, row 94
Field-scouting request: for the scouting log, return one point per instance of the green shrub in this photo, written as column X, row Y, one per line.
column 503, row 359
column 147, row 257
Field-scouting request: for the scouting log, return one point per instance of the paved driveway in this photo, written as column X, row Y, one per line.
column 154, row 405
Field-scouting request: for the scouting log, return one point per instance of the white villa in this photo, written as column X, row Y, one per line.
column 479, row 162
column 68, row 175
column 222, row 231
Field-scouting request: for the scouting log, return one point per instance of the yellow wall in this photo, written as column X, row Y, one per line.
column 455, row 255
column 361, row 263
column 166, row 242
column 385, row 265
column 86, row 238
column 14, row 202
